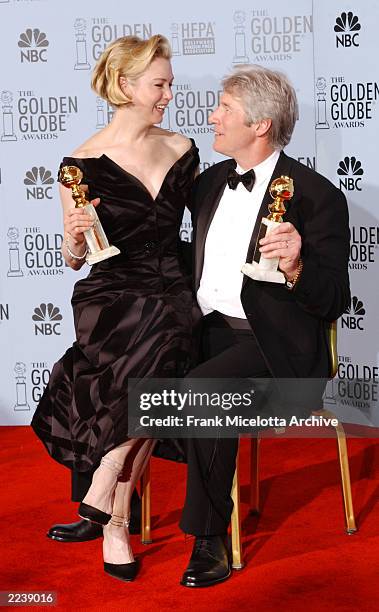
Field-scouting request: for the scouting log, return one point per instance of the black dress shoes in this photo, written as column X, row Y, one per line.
column 209, row 562
column 82, row 531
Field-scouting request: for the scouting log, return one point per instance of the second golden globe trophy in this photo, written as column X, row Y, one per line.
column 262, row 268
column 97, row 242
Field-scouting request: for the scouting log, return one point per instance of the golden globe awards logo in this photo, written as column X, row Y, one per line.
column 364, row 246
column 350, row 168
column 34, row 252
column 44, row 117
column 7, row 111
column 353, row 315
column 38, row 183
column 347, row 29
column 21, row 391
column 39, row 378
column 342, row 104
column 260, row 37
column 190, row 109
column 42, row 253
column 47, row 319
column 80, row 27
column 103, row 31
column 193, row 38
column 33, row 44
column 185, row 232
column 104, row 113
column 357, row 384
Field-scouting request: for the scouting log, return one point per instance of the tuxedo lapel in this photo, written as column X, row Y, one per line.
column 282, row 168
column 206, row 210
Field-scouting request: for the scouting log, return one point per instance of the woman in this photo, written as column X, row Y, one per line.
column 133, row 313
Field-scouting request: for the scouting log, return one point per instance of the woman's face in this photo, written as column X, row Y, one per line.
column 151, row 92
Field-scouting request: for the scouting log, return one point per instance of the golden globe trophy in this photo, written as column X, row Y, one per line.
column 262, row 268
column 97, row 242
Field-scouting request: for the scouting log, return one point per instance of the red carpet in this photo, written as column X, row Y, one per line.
column 297, row 554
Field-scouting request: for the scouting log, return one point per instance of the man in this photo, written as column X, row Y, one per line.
column 255, row 328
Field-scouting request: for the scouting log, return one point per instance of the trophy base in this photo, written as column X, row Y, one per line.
column 82, row 66
column 13, row 273
column 93, row 258
column 255, row 272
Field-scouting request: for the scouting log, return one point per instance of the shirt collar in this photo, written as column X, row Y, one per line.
column 263, row 170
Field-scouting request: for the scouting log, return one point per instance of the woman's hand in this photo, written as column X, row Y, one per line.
column 77, row 220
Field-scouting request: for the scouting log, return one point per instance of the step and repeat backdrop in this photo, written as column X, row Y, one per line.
column 329, row 51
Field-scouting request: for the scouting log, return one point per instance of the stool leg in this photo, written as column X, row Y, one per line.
column 254, row 474
column 345, row 480
column 237, row 562
column 145, row 507
column 345, row 473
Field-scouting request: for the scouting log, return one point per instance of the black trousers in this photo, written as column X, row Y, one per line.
column 226, row 353
column 80, row 483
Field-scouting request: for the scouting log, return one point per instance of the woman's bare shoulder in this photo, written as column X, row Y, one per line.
column 93, row 147
column 179, row 143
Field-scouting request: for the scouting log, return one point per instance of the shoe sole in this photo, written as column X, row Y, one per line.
column 66, row 541
column 194, row 585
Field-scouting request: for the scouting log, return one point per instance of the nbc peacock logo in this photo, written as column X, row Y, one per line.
column 38, row 181
column 347, row 28
column 351, row 171
column 354, row 315
column 47, row 319
column 33, row 44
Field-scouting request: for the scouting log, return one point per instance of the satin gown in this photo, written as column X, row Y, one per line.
column 133, row 314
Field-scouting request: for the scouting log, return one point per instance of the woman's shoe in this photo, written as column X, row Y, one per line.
column 125, row 571
column 89, row 513
column 102, row 489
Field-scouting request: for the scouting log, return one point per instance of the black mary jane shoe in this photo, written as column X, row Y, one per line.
column 124, row 571
column 209, row 563
column 94, row 515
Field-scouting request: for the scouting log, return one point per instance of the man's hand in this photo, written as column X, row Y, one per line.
column 284, row 242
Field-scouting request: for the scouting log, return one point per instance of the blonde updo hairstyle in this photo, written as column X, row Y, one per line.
column 126, row 57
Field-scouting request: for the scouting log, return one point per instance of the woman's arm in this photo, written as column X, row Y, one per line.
column 75, row 222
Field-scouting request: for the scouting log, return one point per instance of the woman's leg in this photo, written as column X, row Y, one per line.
column 104, row 481
column 116, row 546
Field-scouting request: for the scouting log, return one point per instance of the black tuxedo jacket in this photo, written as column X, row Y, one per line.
column 290, row 326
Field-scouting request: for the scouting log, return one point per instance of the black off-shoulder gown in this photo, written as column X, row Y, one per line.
column 133, row 314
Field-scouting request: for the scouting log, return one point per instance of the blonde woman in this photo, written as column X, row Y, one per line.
column 133, row 312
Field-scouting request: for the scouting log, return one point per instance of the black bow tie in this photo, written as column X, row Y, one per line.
column 246, row 179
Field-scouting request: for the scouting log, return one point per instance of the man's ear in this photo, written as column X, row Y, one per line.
column 263, row 127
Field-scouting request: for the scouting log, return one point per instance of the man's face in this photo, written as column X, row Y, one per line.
column 232, row 134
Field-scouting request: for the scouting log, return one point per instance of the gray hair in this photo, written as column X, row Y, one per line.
column 265, row 94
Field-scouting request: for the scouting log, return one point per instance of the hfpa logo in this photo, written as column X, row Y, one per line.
column 46, row 317
column 353, row 167
column 34, row 42
column 345, row 24
column 355, row 313
column 38, row 181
